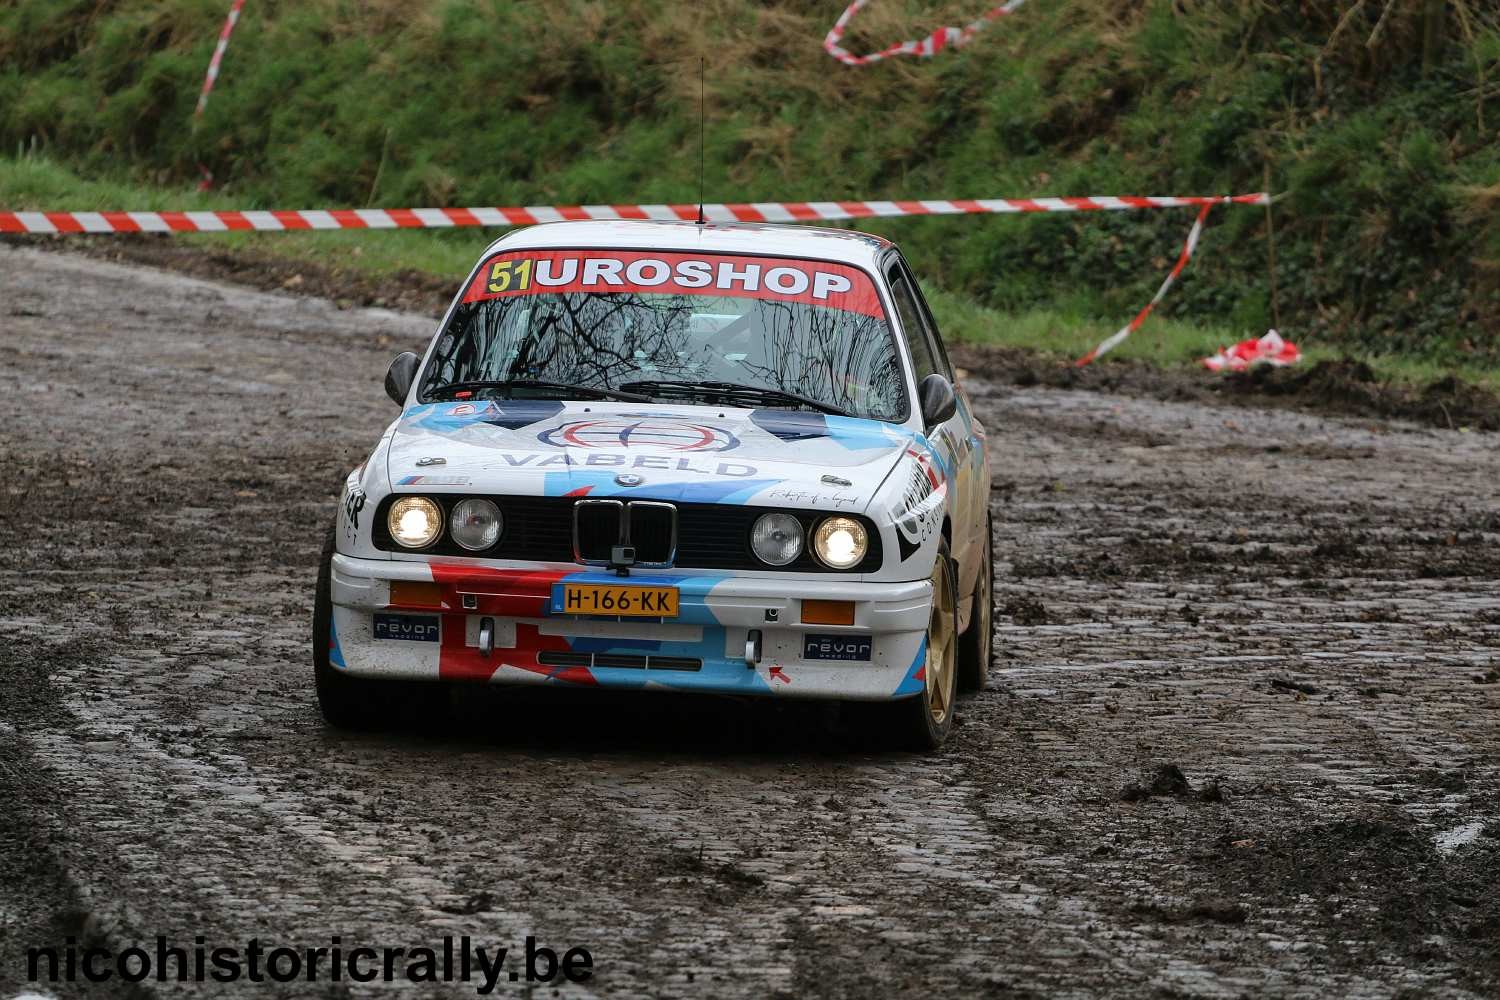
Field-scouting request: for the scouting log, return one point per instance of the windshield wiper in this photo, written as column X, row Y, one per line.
column 734, row 390
column 507, row 386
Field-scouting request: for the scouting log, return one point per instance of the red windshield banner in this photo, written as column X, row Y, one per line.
column 777, row 279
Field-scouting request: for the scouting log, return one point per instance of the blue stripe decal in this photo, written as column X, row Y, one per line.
column 911, row 683
column 856, row 434
column 335, row 651
column 601, row 483
column 604, row 644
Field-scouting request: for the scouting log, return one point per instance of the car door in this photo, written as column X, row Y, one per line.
column 954, row 439
column 975, row 474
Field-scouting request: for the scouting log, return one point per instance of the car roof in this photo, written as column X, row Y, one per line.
column 844, row 246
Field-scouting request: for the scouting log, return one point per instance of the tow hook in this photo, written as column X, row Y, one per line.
column 486, row 637
column 752, row 648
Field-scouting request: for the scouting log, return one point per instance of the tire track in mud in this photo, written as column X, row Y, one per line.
column 1323, row 668
column 1302, row 613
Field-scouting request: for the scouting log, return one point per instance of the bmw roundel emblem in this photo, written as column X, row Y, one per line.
column 629, row 479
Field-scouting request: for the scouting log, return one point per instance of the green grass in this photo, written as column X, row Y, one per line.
column 1421, row 372
column 1062, row 337
column 1059, row 333
column 36, row 183
column 1069, row 334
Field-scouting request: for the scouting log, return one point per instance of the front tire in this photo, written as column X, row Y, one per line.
column 976, row 646
column 923, row 722
column 352, row 703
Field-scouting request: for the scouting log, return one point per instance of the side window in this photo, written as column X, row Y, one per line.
column 912, row 325
column 940, row 352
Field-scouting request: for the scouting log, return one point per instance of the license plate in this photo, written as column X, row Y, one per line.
column 609, row 599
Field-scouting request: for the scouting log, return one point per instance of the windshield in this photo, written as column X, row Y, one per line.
column 603, row 318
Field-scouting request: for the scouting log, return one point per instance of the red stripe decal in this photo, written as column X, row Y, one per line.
column 605, row 270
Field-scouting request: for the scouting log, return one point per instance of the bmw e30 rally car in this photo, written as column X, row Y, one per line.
column 707, row 458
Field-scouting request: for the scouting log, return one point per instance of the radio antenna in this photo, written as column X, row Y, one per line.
column 702, row 127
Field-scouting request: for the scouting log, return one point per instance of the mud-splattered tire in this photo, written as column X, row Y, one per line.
column 923, row 722
column 976, row 645
column 346, row 702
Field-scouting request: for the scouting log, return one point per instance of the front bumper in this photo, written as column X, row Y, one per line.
column 531, row 644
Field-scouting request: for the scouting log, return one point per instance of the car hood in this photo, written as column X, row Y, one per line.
column 684, row 453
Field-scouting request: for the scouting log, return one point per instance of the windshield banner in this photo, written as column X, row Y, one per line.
column 779, row 279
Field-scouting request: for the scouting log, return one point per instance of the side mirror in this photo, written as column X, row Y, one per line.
column 399, row 377
column 937, row 398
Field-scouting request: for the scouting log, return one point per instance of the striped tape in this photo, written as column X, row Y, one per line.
column 924, row 48
column 210, row 78
column 1113, row 340
column 212, row 75
column 433, row 218
column 755, row 211
column 1268, row 350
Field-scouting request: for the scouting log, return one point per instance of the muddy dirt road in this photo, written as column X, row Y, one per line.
column 1302, row 615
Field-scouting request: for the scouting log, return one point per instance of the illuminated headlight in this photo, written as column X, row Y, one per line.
column 475, row 524
column 840, row 542
column 776, row 539
column 415, row 522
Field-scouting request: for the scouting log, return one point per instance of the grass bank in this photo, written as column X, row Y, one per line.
column 1378, row 120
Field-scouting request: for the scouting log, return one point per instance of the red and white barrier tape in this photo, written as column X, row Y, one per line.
column 209, row 79
column 1268, row 350
column 1113, row 340
column 429, row 218
column 758, row 211
column 934, row 43
column 218, row 56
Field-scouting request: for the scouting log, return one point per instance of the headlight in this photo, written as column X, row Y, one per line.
column 414, row 522
column 776, row 538
column 840, row 542
column 475, row 524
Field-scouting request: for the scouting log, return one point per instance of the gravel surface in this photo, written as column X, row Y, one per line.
column 1241, row 738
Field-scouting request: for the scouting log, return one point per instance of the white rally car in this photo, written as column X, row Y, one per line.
column 726, row 459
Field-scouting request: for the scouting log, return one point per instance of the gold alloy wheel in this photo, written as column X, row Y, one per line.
column 941, row 670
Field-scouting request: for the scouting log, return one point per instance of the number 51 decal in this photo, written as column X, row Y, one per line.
column 510, row 275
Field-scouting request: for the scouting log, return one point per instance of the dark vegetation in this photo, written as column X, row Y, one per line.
column 1376, row 118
